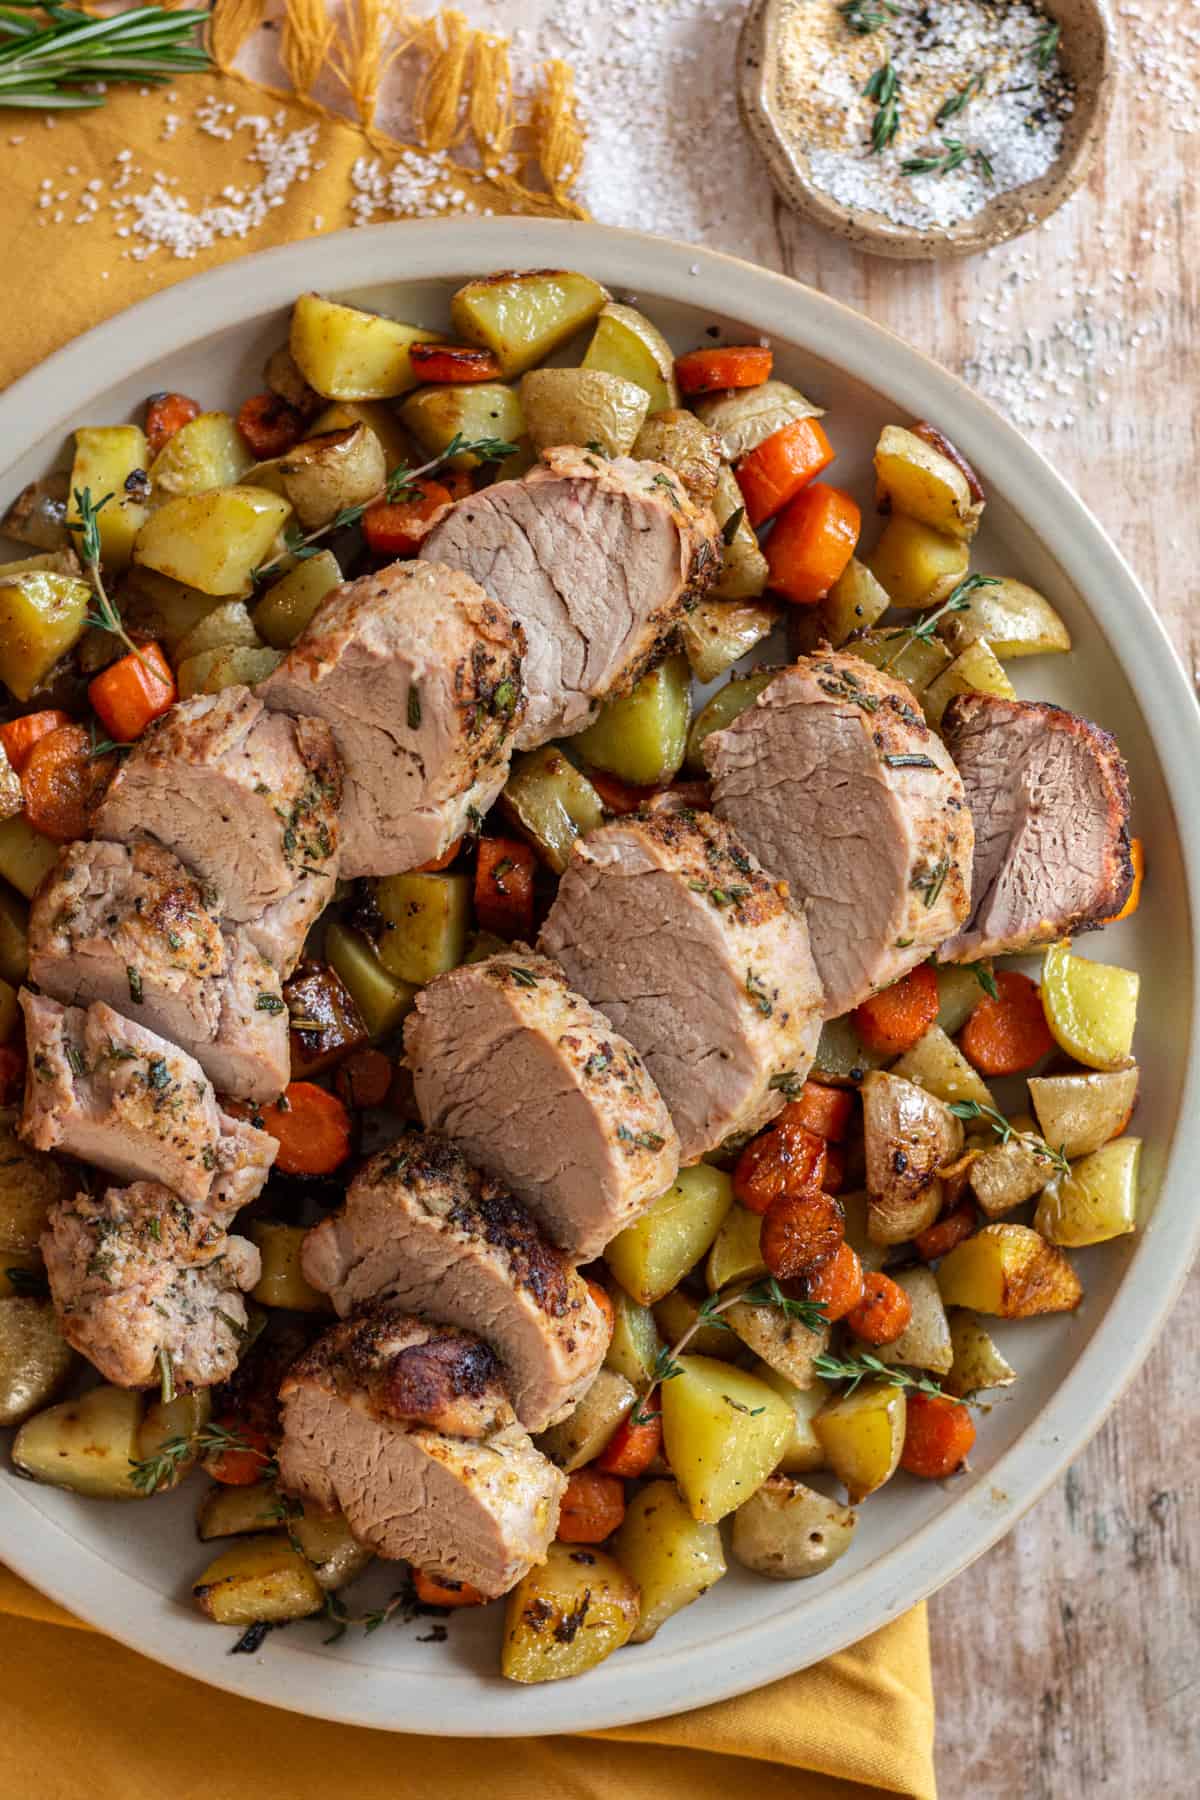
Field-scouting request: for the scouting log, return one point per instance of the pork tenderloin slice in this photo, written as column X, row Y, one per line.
column 837, row 784
column 417, row 672
column 405, row 1428
column 108, row 909
column 425, row 1229
column 246, row 797
column 596, row 559
column 539, row 1089
column 1049, row 795
column 137, row 1277
column 669, row 925
column 111, row 1093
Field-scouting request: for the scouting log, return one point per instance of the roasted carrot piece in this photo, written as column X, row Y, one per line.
column 813, row 540
column 781, row 466
column 834, row 1178
column 165, row 413
column 836, row 1284
column 437, row 863
column 883, row 1312
column 786, row 1158
column 20, row 735
column 1008, row 1035
column 620, row 797
column 62, row 783
column 938, row 1436
column 240, row 1467
column 269, row 425
column 310, row 1124
column 453, row 362
column 440, row 1590
column 952, row 1228
column 893, row 1020
column 603, row 1300
column 1137, row 856
column 458, row 482
column 800, row 1232
column 592, row 1507
column 363, row 1079
column 12, row 1073
column 825, row 1110
column 635, row 1443
column 132, row 692
column 504, row 876
column 730, row 366
column 397, row 527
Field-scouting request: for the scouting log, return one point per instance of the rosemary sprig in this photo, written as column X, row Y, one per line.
column 400, row 485
column 759, row 1293
column 974, row 1109
column 1046, row 44
column 106, row 617
column 864, row 18
column 59, row 56
column 884, row 89
column 865, row 1367
column 954, row 154
column 160, row 1470
column 983, row 975
column 949, row 109
column 983, row 163
column 926, row 630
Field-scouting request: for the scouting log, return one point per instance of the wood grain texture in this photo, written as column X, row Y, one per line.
column 1067, row 1661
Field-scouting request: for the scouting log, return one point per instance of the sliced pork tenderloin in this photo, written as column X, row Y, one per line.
column 406, row 1428
column 140, row 1281
column 1049, row 795
column 669, row 925
column 837, row 784
column 596, row 559
column 418, row 674
column 538, row 1088
column 424, row 1228
column 111, row 1093
column 248, row 799
column 127, row 924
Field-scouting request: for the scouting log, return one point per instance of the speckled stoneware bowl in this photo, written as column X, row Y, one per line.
column 1088, row 53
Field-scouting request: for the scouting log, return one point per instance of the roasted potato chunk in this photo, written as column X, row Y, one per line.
column 717, row 632
column 652, row 1255
column 551, row 803
column 260, row 1580
column 212, row 541
column 38, row 515
column 165, row 1421
column 787, row 1531
column 677, row 1315
column 42, row 614
column 581, row 1438
column 232, row 1511
column 722, row 710
column 1010, row 1272
column 743, row 418
column 568, row 1615
column 672, row 1557
column 282, row 1281
column 524, row 315
column 26, row 857
column 30, row 1183
column 736, row 1254
column 862, row 1435
column 917, row 662
column 382, row 998
column 723, row 1433
column 977, row 1364
column 484, row 409
column 1014, row 619
column 344, row 353
column 678, row 440
column 425, row 921
column 1098, row 1200
column 337, row 469
column 582, row 406
column 909, row 1136
column 842, row 1058
column 785, row 1344
column 744, row 568
column 208, row 452
column 290, row 604
column 925, row 1341
column 803, row 1450
column 626, row 343
column 976, row 670
column 225, row 626
column 635, row 1343
column 915, row 478
column 641, row 736
column 939, row 1066
column 855, row 602
column 35, row 1359
column 326, row 1025
column 916, row 565
column 110, row 459
column 1078, row 1113
column 1090, row 1007
column 87, row 1445
column 236, row 666
column 1005, row 1175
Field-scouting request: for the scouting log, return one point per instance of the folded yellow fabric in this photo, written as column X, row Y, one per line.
column 81, row 1718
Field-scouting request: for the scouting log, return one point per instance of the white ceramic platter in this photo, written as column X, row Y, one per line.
column 127, row 1568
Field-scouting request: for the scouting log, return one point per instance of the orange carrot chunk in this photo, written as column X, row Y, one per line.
column 269, row 425
column 165, row 414
column 397, row 527
column 801, row 1232
column 635, row 1443
column 952, row 1228
column 834, row 1178
column 240, row 1467
column 1137, row 858
column 440, row 1590
column 1008, row 1035
column 603, row 1300
column 364, row 1079
column 621, row 797
column 787, row 1158
column 311, row 1125
column 894, row 1019
column 132, row 692
column 20, row 735
column 812, row 541
column 453, row 362
column 731, row 366
column 938, row 1436
column 836, row 1284
column 825, row 1110
column 62, row 783
column 592, row 1507
column 883, row 1312
column 436, row 864
column 504, row 876
column 775, row 472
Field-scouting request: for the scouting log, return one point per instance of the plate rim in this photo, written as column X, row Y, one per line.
column 61, row 1566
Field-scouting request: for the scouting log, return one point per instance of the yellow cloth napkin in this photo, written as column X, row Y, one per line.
column 82, row 1718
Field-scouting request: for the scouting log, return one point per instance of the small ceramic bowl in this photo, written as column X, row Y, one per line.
column 1088, row 53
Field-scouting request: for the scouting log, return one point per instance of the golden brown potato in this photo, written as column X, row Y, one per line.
column 232, row 1511
column 722, row 710
column 344, row 353
column 672, row 1557
column 290, row 603
column 235, row 666
column 281, row 372
column 551, row 803
column 919, row 661
column 723, row 1433
column 744, row 568
column 26, row 857
column 112, row 459
column 42, row 614
column 522, row 316
column 641, row 736
column 977, row 1364
column 383, row 999
column 862, row 1434
column 1078, row 1113
column 1015, row 620
column 483, row 409
column 652, row 1255
column 582, row 406
column 855, row 602
column 88, row 1445
column 788, row 1532
column 627, row 343
column 282, row 1282
column 916, row 478
column 939, row 1066
column 580, row 1438
column 1005, row 1175
column 634, row 1345
column 425, row 917
column 30, row 1183
column 916, row 565
column 743, row 418
column 1098, row 1200
column 785, row 1344
column 568, row 1615
column 842, row 1058
column 208, row 452
column 259, row 1580
column 717, row 632
column 925, row 1341
column 212, row 541
column 803, row 1450
column 35, row 1359
column 736, row 1254
column 38, row 515
column 676, row 1315
column 1010, row 1272
column 326, row 474
column 677, row 439
column 909, row 1135
column 975, row 670
column 1090, row 1007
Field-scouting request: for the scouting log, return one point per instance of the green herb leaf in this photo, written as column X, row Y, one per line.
column 1008, row 1134
column 983, row 975
column 58, row 61
column 950, row 108
column 413, row 707
column 925, row 632
column 269, row 1003
column 857, row 1369
column 884, row 89
column 133, row 977
column 729, row 529
column 1047, row 44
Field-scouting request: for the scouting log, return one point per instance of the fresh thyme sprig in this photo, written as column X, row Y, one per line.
column 1046, row 44
column 61, row 57
column 403, row 1602
column 949, row 109
column 166, row 1375
column 400, row 485
column 106, row 617
column 160, row 1470
column 884, row 89
column 865, row 1367
column 759, row 1293
column 954, row 154
column 864, row 17
column 926, row 630
column 974, row 1109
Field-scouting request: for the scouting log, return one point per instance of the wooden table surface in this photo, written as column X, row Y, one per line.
column 1068, row 1659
